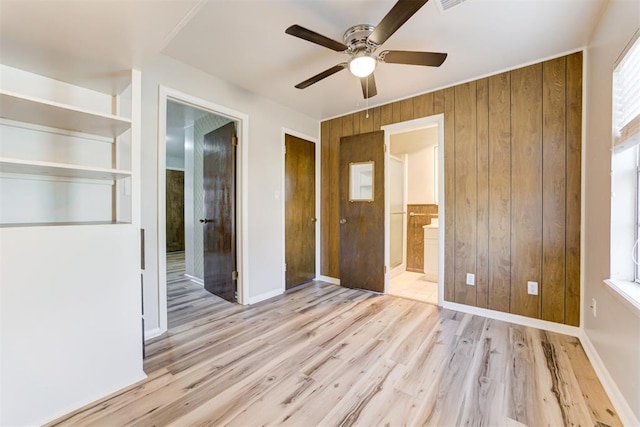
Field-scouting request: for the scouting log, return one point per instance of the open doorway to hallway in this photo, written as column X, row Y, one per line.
column 187, row 130
column 413, row 214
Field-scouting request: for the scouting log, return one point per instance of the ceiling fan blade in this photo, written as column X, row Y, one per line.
column 397, row 16
column 430, row 59
column 313, row 37
column 368, row 86
column 322, row 75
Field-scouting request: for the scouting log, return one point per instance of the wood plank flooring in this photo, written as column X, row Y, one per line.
column 331, row 356
column 175, row 267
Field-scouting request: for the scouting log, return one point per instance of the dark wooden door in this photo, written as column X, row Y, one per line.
column 220, row 212
column 175, row 210
column 300, row 211
column 362, row 222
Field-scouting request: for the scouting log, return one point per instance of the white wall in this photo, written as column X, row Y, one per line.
column 69, row 316
column 264, row 145
column 420, row 177
column 175, row 163
column 615, row 332
column 418, row 145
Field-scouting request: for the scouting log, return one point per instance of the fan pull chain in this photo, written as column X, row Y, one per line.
column 367, row 100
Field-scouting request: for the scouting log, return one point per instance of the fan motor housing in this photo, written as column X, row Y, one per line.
column 355, row 38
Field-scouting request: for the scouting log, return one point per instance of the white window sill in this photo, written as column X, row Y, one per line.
column 627, row 292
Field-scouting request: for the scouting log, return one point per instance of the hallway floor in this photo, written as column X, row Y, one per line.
column 175, row 266
column 414, row 286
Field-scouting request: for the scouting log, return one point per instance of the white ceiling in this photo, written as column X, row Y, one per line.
column 413, row 141
column 92, row 43
column 243, row 42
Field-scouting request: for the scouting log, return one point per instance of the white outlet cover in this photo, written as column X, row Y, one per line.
column 532, row 288
column 471, row 279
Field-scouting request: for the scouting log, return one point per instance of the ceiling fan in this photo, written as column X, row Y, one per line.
column 361, row 43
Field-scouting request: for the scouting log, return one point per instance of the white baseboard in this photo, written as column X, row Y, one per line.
column 620, row 404
column 328, row 279
column 195, row 279
column 265, row 296
column 514, row 318
column 152, row 333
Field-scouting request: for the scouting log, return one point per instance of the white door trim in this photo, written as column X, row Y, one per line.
column 318, row 163
column 242, row 216
column 408, row 126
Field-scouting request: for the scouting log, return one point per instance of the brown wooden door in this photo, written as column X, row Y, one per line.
column 300, row 211
column 362, row 222
column 175, row 211
column 220, row 212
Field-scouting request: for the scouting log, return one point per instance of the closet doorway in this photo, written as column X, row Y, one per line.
column 413, row 231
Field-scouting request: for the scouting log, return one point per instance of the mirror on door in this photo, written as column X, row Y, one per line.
column 361, row 181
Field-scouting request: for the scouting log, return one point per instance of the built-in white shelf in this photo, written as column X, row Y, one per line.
column 57, row 224
column 60, row 170
column 22, row 108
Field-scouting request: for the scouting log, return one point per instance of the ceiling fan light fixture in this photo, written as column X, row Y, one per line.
column 362, row 65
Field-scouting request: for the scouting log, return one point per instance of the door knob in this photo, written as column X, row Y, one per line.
column 343, row 221
column 314, row 219
column 205, row 220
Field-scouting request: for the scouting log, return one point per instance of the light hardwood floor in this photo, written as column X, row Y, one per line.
column 331, row 356
column 175, row 267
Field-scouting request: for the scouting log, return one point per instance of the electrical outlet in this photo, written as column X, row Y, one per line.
column 593, row 306
column 532, row 288
column 471, row 279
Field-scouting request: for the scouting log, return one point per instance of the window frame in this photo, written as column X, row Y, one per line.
column 636, row 250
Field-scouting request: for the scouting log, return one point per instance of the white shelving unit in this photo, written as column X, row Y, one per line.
column 43, row 112
column 60, row 170
column 69, row 242
column 65, row 153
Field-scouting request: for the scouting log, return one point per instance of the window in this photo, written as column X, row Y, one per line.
column 626, row 115
column 635, row 251
column 625, row 204
column 626, row 97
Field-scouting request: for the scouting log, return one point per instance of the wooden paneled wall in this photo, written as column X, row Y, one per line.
column 512, row 186
column 415, row 234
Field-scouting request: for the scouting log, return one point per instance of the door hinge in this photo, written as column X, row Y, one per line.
column 285, row 266
column 385, row 269
column 234, row 275
column 285, row 149
column 234, row 141
column 384, row 148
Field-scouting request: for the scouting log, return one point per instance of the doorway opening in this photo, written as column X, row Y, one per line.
column 189, row 130
column 414, row 214
column 190, row 223
column 186, row 127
